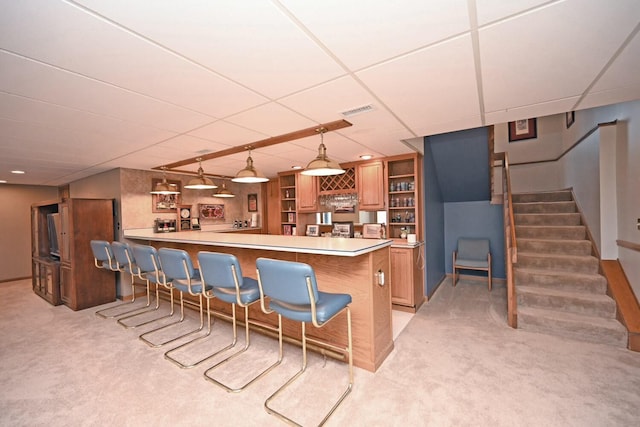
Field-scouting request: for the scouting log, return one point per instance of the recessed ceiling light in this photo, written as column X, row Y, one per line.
column 296, row 167
column 366, row 156
column 2, row 181
column 17, row 172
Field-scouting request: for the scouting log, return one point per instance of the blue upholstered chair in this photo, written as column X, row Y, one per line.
column 125, row 263
column 472, row 254
column 293, row 292
column 178, row 274
column 103, row 255
column 223, row 273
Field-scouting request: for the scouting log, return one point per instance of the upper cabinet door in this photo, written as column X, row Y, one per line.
column 370, row 179
column 307, row 193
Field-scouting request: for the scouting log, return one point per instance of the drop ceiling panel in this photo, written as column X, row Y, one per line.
column 227, row 133
column 430, row 86
column 493, row 10
column 121, row 58
column 365, row 32
column 39, row 81
column 271, row 119
column 27, row 110
column 281, row 60
column 524, row 62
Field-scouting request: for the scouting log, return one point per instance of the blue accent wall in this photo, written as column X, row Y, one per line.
column 462, row 164
column 434, row 226
column 475, row 219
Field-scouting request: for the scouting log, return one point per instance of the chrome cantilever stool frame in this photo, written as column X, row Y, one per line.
column 224, row 274
column 293, row 292
column 179, row 274
column 149, row 270
column 126, row 264
column 104, row 258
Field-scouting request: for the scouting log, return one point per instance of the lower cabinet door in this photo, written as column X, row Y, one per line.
column 402, row 276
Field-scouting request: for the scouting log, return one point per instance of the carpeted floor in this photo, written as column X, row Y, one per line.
column 456, row 363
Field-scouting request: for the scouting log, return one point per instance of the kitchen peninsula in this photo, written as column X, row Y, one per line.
column 350, row 266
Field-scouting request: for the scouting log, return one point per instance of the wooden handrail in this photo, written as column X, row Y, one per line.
column 628, row 245
column 511, row 247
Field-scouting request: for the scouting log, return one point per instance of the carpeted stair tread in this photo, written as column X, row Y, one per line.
column 547, row 219
column 547, row 196
column 555, row 246
column 558, row 262
column 571, row 325
column 594, row 283
column 544, row 207
column 551, row 232
column 570, row 301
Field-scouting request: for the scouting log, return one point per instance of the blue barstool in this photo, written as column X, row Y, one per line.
column 103, row 255
column 293, row 292
column 149, row 270
column 125, row 263
column 224, row 274
column 179, row 274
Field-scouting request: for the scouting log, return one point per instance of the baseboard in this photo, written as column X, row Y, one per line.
column 15, row 279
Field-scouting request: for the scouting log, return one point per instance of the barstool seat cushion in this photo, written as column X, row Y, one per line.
column 249, row 292
column 327, row 306
column 196, row 283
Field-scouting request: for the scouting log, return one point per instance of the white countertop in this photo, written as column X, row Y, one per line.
column 302, row 244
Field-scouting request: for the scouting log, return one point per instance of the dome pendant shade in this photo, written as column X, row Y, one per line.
column 201, row 182
column 322, row 165
column 164, row 187
column 249, row 174
column 223, row 192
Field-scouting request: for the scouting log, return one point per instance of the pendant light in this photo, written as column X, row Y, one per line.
column 201, row 182
column 322, row 165
column 164, row 187
column 223, row 192
column 249, row 174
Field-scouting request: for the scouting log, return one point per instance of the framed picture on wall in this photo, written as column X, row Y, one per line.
column 570, row 118
column 164, row 202
column 522, row 129
column 252, row 202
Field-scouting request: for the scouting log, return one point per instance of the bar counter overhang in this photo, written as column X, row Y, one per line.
column 343, row 265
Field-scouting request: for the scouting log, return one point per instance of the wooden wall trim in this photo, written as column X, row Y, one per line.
column 574, row 145
column 628, row 308
column 628, row 245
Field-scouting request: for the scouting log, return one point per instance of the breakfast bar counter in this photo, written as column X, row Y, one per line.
column 359, row 267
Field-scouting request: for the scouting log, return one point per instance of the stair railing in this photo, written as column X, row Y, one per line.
column 511, row 247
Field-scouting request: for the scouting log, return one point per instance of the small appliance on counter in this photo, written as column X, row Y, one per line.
column 164, row 225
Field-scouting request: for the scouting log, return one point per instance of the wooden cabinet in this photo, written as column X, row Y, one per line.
column 307, row 191
column 45, row 279
column 77, row 222
column 403, row 177
column 370, row 185
column 407, row 279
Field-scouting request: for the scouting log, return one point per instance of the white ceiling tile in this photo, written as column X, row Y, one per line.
column 492, row 10
column 227, row 133
column 271, row 119
column 263, row 63
column 364, row 32
column 119, row 57
column 524, row 62
column 429, row 86
column 38, row 81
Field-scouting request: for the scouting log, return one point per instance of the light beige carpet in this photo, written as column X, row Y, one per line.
column 456, row 363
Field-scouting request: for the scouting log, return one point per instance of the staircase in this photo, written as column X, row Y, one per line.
column 558, row 286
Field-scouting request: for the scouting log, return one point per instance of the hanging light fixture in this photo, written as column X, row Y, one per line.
column 249, row 174
column 164, row 187
column 322, row 165
column 201, row 182
column 223, row 192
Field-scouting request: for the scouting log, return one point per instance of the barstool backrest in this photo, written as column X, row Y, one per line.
column 217, row 269
column 176, row 264
column 148, row 262
column 286, row 281
column 124, row 257
column 103, row 255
